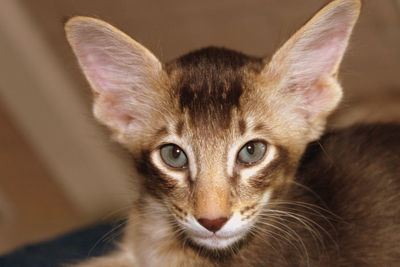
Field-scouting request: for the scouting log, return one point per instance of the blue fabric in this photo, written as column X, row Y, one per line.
column 89, row 242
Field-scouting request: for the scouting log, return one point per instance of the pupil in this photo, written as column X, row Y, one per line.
column 250, row 148
column 176, row 152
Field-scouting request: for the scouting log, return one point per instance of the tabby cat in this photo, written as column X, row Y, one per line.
column 232, row 167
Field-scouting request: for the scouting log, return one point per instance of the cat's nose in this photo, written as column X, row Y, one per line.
column 213, row 225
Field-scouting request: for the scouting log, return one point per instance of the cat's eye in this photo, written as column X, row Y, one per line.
column 251, row 153
column 173, row 156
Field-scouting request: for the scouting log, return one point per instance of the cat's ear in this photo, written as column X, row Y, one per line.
column 306, row 65
column 125, row 77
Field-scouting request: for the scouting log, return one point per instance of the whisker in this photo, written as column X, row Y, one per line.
column 298, row 211
column 308, row 224
column 309, row 206
column 292, row 234
column 120, row 212
column 257, row 232
column 101, row 239
column 261, row 233
column 308, row 189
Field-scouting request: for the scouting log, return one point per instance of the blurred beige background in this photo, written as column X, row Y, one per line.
column 58, row 171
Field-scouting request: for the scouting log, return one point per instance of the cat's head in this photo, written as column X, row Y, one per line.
column 216, row 135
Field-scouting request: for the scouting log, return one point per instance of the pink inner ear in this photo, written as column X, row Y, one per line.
column 116, row 112
column 98, row 69
column 111, row 86
column 318, row 97
column 316, row 61
column 122, row 74
column 313, row 61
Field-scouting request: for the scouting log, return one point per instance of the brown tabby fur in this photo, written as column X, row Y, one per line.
column 332, row 202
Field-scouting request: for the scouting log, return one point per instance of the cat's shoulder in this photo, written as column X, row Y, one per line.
column 366, row 142
column 362, row 160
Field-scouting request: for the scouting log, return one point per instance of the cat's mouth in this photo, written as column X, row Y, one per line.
column 233, row 232
column 216, row 240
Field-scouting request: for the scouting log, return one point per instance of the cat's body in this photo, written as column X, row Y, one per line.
column 343, row 210
column 218, row 139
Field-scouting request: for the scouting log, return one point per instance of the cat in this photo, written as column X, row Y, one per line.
column 232, row 167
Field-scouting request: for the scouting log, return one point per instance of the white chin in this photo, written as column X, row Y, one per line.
column 216, row 242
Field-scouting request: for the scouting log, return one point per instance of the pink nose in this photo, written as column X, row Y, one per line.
column 212, row 225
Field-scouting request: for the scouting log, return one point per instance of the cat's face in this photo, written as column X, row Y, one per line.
column 215, row 134
column 220, row 153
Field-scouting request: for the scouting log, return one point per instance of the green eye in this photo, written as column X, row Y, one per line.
column 251, row 152
column 174, row 156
